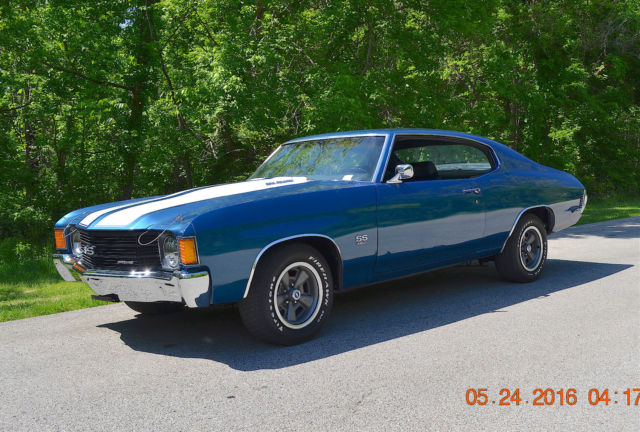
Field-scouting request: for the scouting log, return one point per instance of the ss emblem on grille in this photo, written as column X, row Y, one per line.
column 88, row 249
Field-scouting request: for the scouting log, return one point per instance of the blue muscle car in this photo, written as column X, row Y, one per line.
column 322, row 214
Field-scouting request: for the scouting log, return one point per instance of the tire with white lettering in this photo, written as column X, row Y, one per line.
column 525, row 253
column 290, row 297
column 154, row 308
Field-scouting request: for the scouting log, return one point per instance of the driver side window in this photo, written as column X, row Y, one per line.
column 439, row 159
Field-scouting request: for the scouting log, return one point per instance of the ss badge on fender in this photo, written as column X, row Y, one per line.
column 361, row 239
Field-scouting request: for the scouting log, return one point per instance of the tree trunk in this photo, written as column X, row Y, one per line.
column 31, row 156
column 137, row 100
column 130, row 151
column 514, row 119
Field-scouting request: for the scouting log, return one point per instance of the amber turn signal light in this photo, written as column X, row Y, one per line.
column 61, row 243
column 188, row 250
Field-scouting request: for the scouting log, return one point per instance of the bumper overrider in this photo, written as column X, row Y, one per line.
column 188, row 286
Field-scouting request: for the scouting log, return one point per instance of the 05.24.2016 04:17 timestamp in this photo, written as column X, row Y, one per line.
column 549, row 396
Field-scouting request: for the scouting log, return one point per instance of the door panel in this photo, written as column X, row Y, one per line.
column 423, row 223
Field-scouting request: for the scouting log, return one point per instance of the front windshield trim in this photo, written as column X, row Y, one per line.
column 264, row 162
column 334, row 136
column 381, row 156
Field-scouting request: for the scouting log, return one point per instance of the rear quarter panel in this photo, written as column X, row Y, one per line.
column 520, row 184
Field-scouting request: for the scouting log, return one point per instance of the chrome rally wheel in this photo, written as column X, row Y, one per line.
column 531, row 248
column 298, row 295
column 525, row 252
column 290, row 297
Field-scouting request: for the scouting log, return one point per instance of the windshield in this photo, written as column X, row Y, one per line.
column 348, row 158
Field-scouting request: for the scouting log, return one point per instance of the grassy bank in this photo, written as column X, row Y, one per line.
column 616, row 207
column 30, row 285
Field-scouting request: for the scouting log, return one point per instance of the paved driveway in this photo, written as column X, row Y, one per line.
column 396, row 356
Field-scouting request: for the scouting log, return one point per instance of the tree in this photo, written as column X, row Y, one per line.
column 109, row 100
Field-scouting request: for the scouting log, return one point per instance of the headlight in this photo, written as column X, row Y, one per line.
column 170, row 256
column 76, row 246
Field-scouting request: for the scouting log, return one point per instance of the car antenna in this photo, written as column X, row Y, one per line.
column 177, row 219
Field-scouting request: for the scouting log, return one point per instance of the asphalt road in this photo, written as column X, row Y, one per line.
column 396, row 356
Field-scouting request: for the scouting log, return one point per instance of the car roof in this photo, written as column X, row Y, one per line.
column 504, row 151
column 374, row 132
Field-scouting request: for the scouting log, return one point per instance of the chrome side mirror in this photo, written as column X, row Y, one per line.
column 403, row 172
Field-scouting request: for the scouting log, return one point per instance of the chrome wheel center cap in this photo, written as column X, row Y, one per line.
column 528, row 248
column 295, row 294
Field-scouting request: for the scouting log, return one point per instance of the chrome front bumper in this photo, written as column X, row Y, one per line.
column 63, row 263
column 192, row 288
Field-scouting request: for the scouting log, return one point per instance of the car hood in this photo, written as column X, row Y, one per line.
column 175, row 212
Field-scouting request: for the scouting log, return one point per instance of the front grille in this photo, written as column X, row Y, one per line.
column 120, row 250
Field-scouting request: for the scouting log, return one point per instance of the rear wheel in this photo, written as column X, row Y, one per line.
column 290, row 297
column 154, row 308
column 525, row 253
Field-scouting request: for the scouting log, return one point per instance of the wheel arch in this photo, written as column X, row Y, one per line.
column 544, row 212
column 324, row 244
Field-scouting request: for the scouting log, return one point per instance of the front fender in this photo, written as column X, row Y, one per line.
column 231, row 239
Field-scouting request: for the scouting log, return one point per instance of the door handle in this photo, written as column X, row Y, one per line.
column 473, row 190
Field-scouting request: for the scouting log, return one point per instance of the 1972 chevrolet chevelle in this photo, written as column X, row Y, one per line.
column 322, row 214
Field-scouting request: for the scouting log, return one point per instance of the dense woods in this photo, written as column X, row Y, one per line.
column 107, row 100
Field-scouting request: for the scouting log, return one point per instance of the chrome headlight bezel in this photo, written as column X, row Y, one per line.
column 170, row 252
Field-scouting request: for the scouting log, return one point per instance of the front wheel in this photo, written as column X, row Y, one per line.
column 525, row 253
column 290, row 297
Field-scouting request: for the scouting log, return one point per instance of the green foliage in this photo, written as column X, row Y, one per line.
column 108, row 100
column 30, row 285
column 22, row 262
column 612, row 207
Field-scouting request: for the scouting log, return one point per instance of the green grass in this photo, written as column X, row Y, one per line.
column 30, row 285
column 32, row 288
column 608, row 208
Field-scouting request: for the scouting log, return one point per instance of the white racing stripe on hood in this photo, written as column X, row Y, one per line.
column 129, row 215
column 95, row 215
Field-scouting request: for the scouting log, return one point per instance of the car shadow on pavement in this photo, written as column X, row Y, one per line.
column 360, row 318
